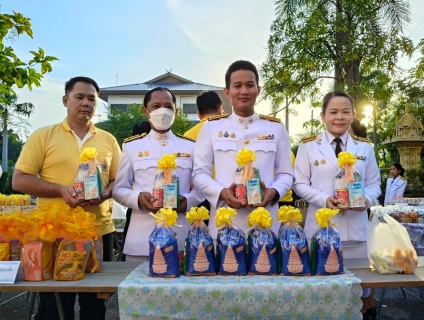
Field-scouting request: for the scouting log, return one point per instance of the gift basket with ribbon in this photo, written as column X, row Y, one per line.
column 88, row 182
column 166, row 186
column 248, row 180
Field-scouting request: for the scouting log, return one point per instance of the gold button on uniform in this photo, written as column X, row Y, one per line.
column 163, row 143
column 250, row 120
column 160, row 137
column 246, row 141
column 245, row 127
column 240, row 120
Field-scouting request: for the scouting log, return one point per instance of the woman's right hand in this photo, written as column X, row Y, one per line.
column 331, row 203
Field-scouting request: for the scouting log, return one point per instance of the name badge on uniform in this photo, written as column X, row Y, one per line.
column 183, row 154
column 266, row 137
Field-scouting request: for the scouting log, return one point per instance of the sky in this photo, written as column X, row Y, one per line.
column 140, row 39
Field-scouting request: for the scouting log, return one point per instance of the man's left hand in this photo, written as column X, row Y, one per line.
column 183, row 205
column 106, row 194
column 269, row 194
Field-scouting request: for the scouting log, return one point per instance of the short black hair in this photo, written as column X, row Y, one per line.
column 69, row 85
column 208, row 102
column 240, row 65
column 143, row 127
column 333, row 94
column 148, row 95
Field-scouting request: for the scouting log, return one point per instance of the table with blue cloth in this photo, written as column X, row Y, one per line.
column 239, row 297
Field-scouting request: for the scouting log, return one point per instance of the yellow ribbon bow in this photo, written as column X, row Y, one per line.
column 289, row 214
column 260, row 216
column 196, row 214
column 167, row 162
column 244, row 156
column 224, row 216
column 88, row 154
column 346, row 158
column 167, row 216
column 324, row 216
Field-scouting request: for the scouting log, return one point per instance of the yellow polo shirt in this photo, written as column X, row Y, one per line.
column 289, row 195
column 193, row 133
column 53, row 153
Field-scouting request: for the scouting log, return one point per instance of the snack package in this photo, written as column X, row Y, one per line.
column 348, row 185
column 166, row 186
column 262, row 254
column 327, row 255
column 389, row 247
column 70, row 260
column 248, row 180
column 231, row 244
column 199, row 248
column 163, row 246
column 294, row 258
column 88, row 182
column 37, row 260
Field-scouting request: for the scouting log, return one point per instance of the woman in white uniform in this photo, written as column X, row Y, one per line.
column 397, row 184
column 316, row 166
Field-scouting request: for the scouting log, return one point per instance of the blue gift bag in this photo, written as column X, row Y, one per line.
column 262, row 251
column 327, row 255
column 163, row 249
column 231, row 248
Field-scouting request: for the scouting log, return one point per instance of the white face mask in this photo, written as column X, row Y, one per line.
column 162, row 118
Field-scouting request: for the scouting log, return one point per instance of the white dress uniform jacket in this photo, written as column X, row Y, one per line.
column 218, row 143
column 136, row 174
column 315, row 168
column 395, row 188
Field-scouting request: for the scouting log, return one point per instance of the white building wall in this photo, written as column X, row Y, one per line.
column 138, row 99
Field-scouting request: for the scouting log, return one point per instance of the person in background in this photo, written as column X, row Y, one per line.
column 53, row 153
column 209, row 104
column 397, row 184
column 287, row 200
column 138, row 168
column 315, row 168
column 139, row 129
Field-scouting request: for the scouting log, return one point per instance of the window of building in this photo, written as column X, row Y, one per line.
column 122, row 107
column 190, row 108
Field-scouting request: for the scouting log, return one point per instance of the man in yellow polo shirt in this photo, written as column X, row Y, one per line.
column 52, row 153
column 209, row 104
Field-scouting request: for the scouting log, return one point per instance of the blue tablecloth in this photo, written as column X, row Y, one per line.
column 232, row 297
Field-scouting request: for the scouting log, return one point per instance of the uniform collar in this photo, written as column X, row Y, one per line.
column 92, row 128
column 330, row 137
column 244, row 120
column 161, row 136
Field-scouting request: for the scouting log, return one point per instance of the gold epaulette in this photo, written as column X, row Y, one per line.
column 269, row 118
column 183, row 137
column 362, row 139
column 308, row 139
column 219, row 116
column 402, row 178
column 138, row 136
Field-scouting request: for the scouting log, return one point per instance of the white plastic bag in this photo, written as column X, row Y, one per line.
column 389, row 246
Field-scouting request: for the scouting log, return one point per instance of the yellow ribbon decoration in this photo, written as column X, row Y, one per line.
column 87, row 154
column 324, row 216
column 289, row 214
column 167, row 216
column 224, row 216
column 244, row 156
column 167, row 162
column 196, row 214
column 260, row 216
column 346, row 158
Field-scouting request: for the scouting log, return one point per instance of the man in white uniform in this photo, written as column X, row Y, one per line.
column 223, row 136
column 138, row 168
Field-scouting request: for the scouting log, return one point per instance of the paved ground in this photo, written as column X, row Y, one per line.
column 395, row 306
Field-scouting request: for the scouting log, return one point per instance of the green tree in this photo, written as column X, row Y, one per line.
column 11, row 114
column 15, row 145
column 120, row 123
column 314, row 40
column 14, row 71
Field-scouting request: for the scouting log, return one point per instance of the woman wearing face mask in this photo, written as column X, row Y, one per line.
column 138, row 167
column 316, row 166
column 397, row 184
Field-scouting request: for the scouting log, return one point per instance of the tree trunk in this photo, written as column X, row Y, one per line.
column 4, row 155
column 287, row 115
column 352, row 81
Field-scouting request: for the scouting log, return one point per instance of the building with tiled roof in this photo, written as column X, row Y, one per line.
column 186, row 91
